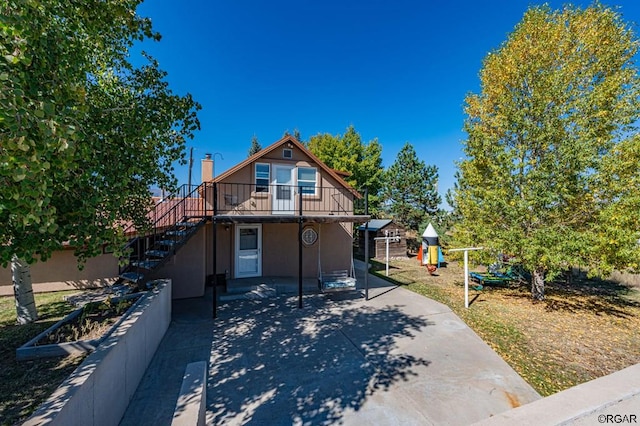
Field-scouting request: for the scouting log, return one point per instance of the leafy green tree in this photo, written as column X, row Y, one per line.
column 255, row 146
column 411, row 192
column 347, row 153
column 83, row 132
column 545, row 174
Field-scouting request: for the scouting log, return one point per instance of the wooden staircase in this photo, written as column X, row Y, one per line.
column 175, row 220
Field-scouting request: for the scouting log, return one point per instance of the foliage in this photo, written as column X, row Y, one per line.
column 542, row 179
column 255, row 146
column 348, row 153
column 83, row 132
column 411, row 188
column 296, row 134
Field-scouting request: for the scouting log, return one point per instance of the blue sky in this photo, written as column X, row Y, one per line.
column 397, row 70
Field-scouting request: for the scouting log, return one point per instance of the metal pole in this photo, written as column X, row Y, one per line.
column 466, row 278
column 215, row 270
column 466, row 271
column 387, row 254
column 300, row 249
column 190, row 167
column 214, row 251
column 366, row 245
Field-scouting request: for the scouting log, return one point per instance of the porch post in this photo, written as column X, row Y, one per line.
column 366, row 245
column 214, row 252
column 300, row 248
column 215, row 270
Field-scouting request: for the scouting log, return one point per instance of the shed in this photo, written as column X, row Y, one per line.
column 380, row 228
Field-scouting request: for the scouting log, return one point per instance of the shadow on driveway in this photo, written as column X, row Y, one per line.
column 273, row 363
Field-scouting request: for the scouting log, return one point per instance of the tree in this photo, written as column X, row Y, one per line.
column 411, row 188
column 296, row 134
column 557, row 108
column 362, row 161
column 84, row 133
column 255, row 146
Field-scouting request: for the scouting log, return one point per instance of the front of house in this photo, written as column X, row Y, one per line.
column 263, row 204
column 280, row 213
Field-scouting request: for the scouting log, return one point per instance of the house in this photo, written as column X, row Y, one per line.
column 378, row 229
column 280, row 213
column 279, row 203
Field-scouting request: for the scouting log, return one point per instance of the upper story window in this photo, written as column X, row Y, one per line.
column 262, row 177
column 287, row 153
column 307, row 180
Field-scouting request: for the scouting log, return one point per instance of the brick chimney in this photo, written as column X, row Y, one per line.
column 207, row 168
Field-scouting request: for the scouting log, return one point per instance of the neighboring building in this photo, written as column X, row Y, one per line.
column 246, row 223
column 381, row 228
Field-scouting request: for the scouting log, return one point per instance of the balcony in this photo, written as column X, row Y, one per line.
column 238, row 199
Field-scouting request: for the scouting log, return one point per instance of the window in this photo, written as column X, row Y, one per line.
column 307, row 180
column 262, row 177
column 287, row 153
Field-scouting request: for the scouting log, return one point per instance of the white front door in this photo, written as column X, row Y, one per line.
column 248, row 251
column 283, row 194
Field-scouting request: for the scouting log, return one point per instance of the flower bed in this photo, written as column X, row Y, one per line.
column 81, row 331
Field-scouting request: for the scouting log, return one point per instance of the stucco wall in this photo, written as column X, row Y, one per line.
column 186, row 268
column 60, row 272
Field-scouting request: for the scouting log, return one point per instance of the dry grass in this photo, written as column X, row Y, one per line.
column 26, row 384
column 582, row 330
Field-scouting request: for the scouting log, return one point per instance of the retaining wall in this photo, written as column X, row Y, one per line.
column 99, row 390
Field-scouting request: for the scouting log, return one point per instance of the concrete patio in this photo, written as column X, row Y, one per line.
column 398, row 358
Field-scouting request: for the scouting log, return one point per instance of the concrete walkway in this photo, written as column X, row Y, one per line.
column 396, row 359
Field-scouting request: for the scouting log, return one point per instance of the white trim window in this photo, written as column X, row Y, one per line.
column 307, row 180
column 263, row 177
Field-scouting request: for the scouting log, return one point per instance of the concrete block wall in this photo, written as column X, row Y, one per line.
column 99, row 390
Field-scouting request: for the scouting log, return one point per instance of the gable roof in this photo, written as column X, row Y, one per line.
column 288, row 139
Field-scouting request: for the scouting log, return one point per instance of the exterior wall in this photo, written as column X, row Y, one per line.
column 377, row 249
column 225, row 249
column 60, row 272
column 280, row 249
column 186, row 268
column 396, row 249
column 236, row 193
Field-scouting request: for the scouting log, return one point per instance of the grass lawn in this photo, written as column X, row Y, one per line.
column 26, row 384
column 580, row 332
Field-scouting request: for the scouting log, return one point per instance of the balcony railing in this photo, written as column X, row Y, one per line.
column 251, row 199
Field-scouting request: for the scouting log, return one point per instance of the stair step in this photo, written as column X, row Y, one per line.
column 186, row 224
column 132, row 276
column 168, row 243
column 177, row 233
column 156, row 253
column 146, row 264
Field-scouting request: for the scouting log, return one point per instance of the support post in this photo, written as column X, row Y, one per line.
column 466, row 271
column 366, row 245
column 466, row 278
column 300, row 248
column 215, row 269
column 214, row 252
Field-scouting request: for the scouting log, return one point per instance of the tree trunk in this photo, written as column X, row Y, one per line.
column 537, row 284
column 23, row 291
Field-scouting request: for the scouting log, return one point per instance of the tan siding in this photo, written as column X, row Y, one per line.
column 61, row 272
column 187, row 268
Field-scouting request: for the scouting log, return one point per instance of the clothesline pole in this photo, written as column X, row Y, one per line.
column 387, row 239
column 466, row 271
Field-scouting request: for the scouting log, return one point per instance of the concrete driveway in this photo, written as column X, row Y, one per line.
column 396, row 359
